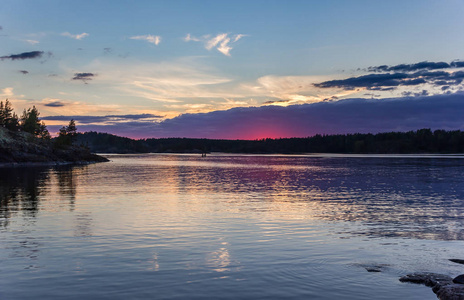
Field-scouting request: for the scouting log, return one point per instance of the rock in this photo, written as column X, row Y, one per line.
column 450, row 292
column 429, row 279
column 24, row 148
column 456, row 260
column 442, row 285
column 459, row 279
column 373, row 269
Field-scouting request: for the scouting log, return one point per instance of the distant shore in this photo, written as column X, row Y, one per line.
column 422, row 141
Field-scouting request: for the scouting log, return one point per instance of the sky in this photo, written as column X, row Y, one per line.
column 235, row 69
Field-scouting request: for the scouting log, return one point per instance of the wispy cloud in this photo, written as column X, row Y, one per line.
column 7, row 92
column 107, row 119
column 221, row 42
column 32, row 42
column 153, row 39
column 189, row 38
column 353, row 115
column 75, row 36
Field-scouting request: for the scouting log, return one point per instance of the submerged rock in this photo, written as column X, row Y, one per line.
column 442, row 285
column 456, row 260
column 373, row 269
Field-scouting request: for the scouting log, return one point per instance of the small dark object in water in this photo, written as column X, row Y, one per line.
column 459, row 279
column 373, row 269
column 458, row 261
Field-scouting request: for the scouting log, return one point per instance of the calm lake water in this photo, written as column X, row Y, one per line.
column 163, row 226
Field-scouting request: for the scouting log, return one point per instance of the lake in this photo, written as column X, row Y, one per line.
column 160, row 226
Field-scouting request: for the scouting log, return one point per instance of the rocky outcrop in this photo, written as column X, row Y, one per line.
column 443, row 286
column 24, row 148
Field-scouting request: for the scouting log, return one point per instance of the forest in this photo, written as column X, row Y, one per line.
column 419, row 141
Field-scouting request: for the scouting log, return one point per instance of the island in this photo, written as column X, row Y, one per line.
column 26, row 140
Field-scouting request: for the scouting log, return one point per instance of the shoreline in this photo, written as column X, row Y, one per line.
column 47, row 164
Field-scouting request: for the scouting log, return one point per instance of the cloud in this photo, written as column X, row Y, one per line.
column 353, row 115
column 154, row 39
column 381, row 81
column 108, row 119
column 24, row 72
column 24, row 55
column 75, row 36
column 424, row 65
column 182, row 80
column 7, row 92
column 189, row 38
column 83, row 76
column 32, row 42
column 55, row 104
column 222, row 42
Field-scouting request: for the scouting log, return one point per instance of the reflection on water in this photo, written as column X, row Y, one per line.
column 182, row 226
column 393, row 197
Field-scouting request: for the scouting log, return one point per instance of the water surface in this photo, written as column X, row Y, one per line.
column 161, row 226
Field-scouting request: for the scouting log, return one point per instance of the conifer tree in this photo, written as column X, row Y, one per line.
column 66, row 135
column 30, row 121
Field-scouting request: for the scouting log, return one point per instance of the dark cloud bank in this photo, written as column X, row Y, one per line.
column 402, row 75
column 424, row 65
column 344, row 116
column 391, row 80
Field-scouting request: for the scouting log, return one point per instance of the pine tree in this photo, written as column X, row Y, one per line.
column 66, row 135
column 2, row 117
column 5, row 113
column 30, row 121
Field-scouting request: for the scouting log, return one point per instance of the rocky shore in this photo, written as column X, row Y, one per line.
column 445, row 287
column 22, row 148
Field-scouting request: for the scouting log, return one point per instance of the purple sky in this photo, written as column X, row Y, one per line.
column 344, row 116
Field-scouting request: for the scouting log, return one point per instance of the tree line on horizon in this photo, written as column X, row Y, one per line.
column 419, row 141
column 30, row 122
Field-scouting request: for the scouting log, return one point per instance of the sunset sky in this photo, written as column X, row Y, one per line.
column 235, row 69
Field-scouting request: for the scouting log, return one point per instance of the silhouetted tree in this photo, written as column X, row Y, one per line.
column 66, row 135
column 8, row 118
column 31, row 123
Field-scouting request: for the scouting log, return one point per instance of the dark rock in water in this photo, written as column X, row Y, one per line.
column 442, row 285
column 429, row 279
column 459, row 279
column 373, row 269
column 456, row 260
column 450, row 292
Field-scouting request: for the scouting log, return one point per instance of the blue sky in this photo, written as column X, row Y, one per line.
column 137, row 64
